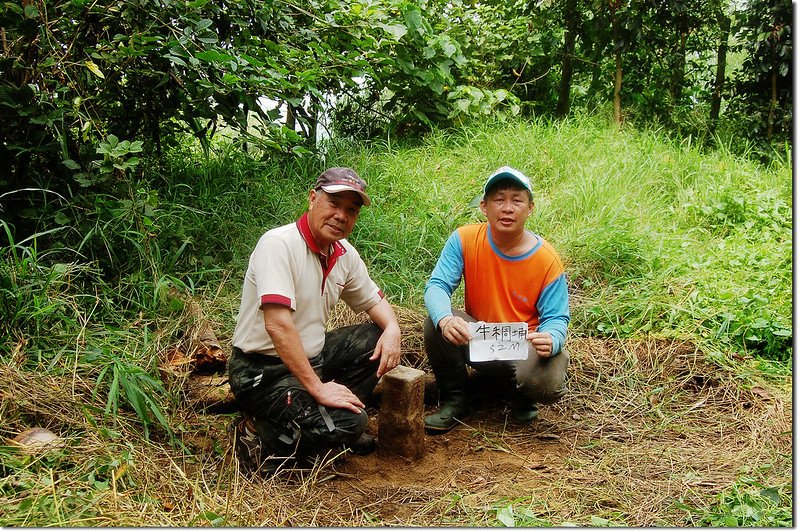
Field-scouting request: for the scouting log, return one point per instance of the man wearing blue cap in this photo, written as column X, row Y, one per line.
column 510, row 275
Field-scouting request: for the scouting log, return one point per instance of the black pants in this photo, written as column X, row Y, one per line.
column 543, row 379
column 290, row 421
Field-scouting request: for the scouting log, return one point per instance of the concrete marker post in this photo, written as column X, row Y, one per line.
column 401, row 422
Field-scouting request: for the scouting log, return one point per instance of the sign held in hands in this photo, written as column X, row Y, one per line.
column 498, row 341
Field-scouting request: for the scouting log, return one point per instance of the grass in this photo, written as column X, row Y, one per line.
column 662, row 240
column 705, row 235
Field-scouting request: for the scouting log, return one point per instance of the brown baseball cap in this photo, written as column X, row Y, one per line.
column 341, row 179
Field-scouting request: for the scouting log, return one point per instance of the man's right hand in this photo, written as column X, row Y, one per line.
column 455, row 330
column 280, row 327
column 336, row 395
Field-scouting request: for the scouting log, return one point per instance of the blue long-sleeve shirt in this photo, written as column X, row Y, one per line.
column 531, row 287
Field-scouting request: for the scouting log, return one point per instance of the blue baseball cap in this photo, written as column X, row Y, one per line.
column 506, row 172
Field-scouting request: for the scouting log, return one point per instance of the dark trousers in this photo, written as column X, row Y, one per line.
column 288, row 420
column 543, row 379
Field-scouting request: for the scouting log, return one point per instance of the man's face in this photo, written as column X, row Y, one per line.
column 332, row 216
column 507, row 209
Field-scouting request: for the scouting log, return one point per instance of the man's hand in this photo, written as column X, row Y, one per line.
column 542, row 342
column 335, row 395
column 455, row 330
column 388, row 346
column 388, row 349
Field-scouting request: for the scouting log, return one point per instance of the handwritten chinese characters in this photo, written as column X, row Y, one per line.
column 498, row 341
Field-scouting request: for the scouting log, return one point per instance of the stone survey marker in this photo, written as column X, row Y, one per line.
column 401, row 423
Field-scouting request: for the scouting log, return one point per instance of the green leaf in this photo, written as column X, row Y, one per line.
column 31, row 11
column 94, row 69
column 252, row 60
column 506, row 516
column 212, row 518
column 212, row 56
column 177, row 60
column 83, row 180
column 449, row 49
column 397, row 30
column 230, row 79
column 599, row 521
column 414, row 20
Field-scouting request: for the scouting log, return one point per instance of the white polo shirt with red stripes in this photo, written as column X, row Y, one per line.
column 287, row 268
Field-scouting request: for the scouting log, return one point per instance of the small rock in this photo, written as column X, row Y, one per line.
column 38, row 439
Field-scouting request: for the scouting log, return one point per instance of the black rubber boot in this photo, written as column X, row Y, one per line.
column 524, row 410
column 454, row 403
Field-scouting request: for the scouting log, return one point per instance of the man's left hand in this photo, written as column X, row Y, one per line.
column 542, row 342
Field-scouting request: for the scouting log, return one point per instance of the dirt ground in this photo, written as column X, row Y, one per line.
column 645, row 425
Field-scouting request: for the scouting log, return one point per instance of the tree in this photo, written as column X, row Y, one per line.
column 762, row 94
column 571, row 20
column 722, row 57
column 78, row 74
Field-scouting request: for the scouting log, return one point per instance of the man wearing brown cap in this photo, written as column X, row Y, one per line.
column 303, row 388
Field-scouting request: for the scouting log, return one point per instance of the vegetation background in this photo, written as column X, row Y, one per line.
column 147, row 145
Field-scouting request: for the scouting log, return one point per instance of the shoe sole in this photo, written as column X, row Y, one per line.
column 440, row 429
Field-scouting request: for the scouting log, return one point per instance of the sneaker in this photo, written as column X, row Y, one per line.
column 248, row 449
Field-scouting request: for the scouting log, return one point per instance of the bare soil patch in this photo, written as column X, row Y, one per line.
column 644, row 425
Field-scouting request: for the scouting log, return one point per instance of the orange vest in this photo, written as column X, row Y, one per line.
column 499, row 288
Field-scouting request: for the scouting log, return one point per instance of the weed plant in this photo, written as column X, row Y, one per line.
column 746, row 504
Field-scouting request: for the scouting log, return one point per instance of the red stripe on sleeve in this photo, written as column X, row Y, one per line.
column 276, row 299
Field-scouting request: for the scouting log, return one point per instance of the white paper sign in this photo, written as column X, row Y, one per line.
column 498, row 341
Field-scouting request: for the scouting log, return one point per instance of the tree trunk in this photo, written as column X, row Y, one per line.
column 618, row 91
column 570, row 18
column 679, row 61
column 597, row 84
column 773, row 104
column 290, row 118
column 617, row 73
column 722, row 58
column 313, row 120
